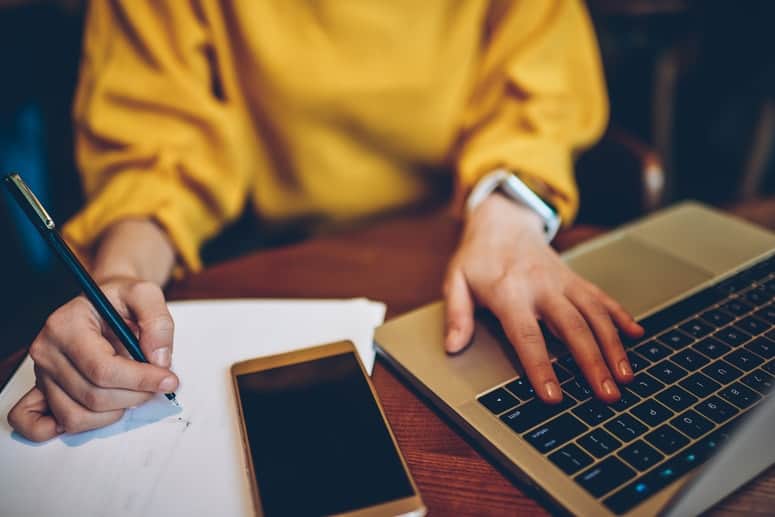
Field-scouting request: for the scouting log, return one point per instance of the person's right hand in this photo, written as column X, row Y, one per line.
column 84, row 376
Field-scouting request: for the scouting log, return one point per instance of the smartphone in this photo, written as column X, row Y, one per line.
column 316, row 438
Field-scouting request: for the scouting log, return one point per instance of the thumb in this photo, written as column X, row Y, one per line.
column 459, row 313
column 146, row 302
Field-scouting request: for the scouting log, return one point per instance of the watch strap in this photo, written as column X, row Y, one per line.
column 514, row 188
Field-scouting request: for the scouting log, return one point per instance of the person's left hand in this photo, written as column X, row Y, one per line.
column 504, row 263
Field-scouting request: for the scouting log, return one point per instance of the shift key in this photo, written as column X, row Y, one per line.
column 532, row 413
column 556, row 432
column 605, row 476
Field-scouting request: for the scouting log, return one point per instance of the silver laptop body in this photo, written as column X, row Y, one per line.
column 648, row 266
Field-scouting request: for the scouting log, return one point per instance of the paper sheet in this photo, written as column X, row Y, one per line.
column 158, row 460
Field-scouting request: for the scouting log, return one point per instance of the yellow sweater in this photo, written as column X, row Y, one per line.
column 332, row 109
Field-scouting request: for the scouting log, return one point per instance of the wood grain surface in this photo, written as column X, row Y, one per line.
column 401, row 262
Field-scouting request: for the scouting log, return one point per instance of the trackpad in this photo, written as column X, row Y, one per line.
column 640, row 277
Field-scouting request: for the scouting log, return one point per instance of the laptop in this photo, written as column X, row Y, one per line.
column 702, row 284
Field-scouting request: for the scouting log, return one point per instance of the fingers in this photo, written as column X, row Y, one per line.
column 599, row 320
column 95, row 359
column 522, row 329
column 70, row 416
column 146, row 302
column 31, row 417
column 570, row 325
column 89, row 395
column 459, row 313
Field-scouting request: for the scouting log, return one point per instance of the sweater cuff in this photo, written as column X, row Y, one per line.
column 135, row 194
column 546, row 167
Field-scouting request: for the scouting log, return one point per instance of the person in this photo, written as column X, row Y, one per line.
column 188, row 112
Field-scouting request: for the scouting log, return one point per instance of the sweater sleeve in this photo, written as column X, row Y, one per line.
column 157, row 134
column 539, row 99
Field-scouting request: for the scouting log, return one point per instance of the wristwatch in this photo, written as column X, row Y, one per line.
column 510, row 185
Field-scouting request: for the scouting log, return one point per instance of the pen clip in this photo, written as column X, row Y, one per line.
column 27, row 200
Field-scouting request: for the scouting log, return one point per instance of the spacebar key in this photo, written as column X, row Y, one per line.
column 532, row 413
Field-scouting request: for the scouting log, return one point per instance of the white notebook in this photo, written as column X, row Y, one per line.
column 160, row 460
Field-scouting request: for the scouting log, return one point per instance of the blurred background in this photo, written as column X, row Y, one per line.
column 691, row 83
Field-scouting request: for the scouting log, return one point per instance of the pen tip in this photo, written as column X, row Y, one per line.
column 172, row 398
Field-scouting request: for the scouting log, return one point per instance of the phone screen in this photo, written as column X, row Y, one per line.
column 318, row 440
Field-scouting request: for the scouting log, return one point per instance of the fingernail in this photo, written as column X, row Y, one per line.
column 552, row 390
column 452, row 341
column 161, row 357
column 624, row 368
column 167, row 384
column 609, row 388
column 60, row 429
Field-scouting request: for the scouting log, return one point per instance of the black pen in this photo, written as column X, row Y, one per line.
column 39, row 217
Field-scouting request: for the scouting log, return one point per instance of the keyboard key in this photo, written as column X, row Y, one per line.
column 739, row 395
column 625, row 427
column 570, row 459
column 599, row 443
column 771, row 334
column 737, row 307
column 667, row 372
column 762, row 346
column 770, row 366
column 711, row 347
column 716, row 409
column 637, row 361
column 692, row 424
column 666, row 439
column 752, row 325
column 498, row 401
column 569, row 364
column 732, row 336
column 631, row 495
column 578, row 389
column 554, row 433
column 716, row 317
column 532, row 413
column 759, row 380
column 593, row 412
column 758, row 295
column 676, row 398
column 653, row 351
column 521, row 388
column 744, row 359
column 737, row 283
column 681, row 310
column 645, row 385
column 627, row 400
column 605, row 476
column 689, row 359
column 701, row 385
column 640, row 455
column 651, row 412
column 767, row 313
column 675, row 339
column 643, row 488
column 561, row 373
column 696, row 328
column 722, row 371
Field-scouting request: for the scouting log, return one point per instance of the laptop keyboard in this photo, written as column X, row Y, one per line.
column 702, row 364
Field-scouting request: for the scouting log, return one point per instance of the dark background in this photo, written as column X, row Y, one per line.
column 694, row 80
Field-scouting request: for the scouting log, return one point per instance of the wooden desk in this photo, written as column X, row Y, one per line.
column 401, row 262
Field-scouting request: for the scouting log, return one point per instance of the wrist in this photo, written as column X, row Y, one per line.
column 137, row 249
column 498, row 211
